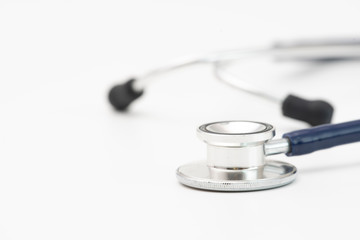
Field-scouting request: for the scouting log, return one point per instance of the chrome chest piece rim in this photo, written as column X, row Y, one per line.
column 273, row 174
column 236, row 159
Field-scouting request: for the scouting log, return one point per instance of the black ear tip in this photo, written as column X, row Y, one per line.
column 313, row 112
column 121, row 96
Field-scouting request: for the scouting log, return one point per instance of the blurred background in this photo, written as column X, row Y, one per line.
column 71, row 167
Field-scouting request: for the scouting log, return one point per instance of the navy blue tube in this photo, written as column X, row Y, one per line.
column 322, row 137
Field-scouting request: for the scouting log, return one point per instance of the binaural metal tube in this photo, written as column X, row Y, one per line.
column 245, row 86
column 122, row 95
column 314, row 50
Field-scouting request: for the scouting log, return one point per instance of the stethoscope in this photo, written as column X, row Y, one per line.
column 237, row 150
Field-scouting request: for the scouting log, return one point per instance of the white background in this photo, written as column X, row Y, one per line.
column 72, row 168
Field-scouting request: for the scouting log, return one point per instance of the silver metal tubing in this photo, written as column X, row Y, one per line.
column 233, row 81
column 323, row 50
column 145, row 79
column 318, row 50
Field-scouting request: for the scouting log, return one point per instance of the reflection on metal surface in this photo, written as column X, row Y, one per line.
column 271, row 175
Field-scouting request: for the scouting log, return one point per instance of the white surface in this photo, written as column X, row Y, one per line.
column 72, row 168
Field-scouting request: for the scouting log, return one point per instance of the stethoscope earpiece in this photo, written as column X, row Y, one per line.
column 315, row 113
column 122, row 95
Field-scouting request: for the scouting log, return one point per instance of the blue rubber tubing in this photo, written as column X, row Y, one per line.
column 322, row 137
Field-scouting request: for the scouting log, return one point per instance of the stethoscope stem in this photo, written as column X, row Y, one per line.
column 277, row 146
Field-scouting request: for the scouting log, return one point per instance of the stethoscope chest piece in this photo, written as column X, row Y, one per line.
column 236, row 159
